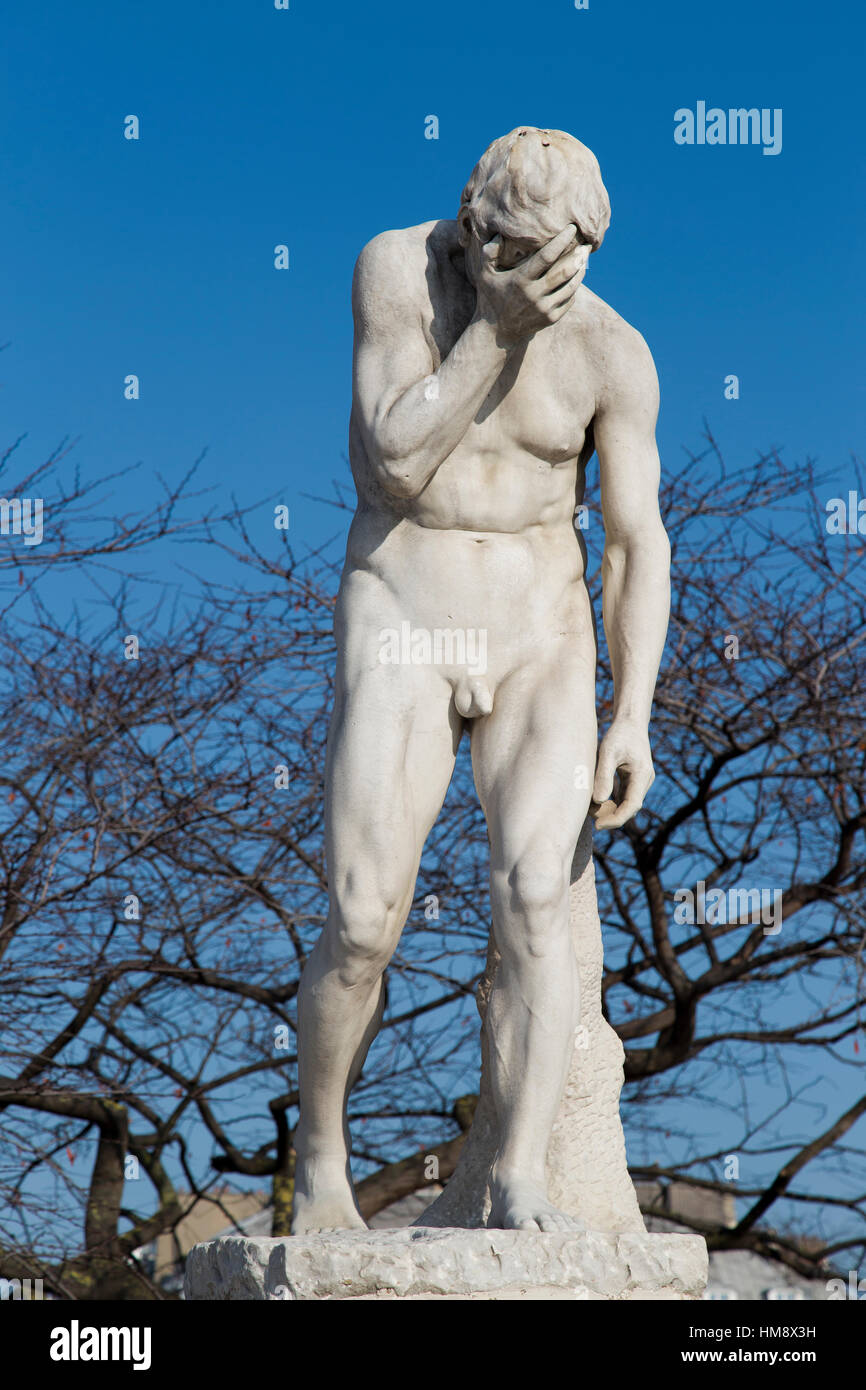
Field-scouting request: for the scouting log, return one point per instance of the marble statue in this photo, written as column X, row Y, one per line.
column 486, row 374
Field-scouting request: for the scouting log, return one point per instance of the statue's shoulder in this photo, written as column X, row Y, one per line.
column 392, row 276
column 601, row 322
column 402, row 253
column 619, row 349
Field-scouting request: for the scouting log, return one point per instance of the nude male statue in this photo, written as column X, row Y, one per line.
column 485, row 376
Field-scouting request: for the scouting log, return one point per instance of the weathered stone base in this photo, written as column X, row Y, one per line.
column 448, row 1263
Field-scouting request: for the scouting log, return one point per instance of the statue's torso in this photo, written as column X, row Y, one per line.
column 492, row 533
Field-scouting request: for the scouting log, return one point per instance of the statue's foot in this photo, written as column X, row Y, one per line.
column 520, row 1204
column 323, row 1198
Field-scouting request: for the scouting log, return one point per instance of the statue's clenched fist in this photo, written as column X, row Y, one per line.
column 624, row 752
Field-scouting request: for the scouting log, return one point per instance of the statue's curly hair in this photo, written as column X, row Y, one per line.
column 532, row 183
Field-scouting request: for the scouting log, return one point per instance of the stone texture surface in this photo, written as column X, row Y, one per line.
column 427, row 1263
column 587, row 1171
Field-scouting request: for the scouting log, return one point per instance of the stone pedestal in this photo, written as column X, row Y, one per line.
column 436, row 1263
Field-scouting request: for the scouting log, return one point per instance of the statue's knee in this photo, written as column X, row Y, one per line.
column 364, row 941
column 538, row 886
column 539, row 881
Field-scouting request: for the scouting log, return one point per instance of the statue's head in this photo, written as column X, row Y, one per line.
column 527, row 187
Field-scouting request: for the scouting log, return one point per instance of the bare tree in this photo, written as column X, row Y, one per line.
column 758, row 731
column 164, row 879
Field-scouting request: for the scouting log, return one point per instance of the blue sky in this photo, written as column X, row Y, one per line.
column 306, row 127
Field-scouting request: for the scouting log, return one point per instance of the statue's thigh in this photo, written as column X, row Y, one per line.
column 391, row 752
column 534, row 758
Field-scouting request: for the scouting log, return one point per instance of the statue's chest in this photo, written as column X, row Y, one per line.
column 541, row 402
column 543, row 399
